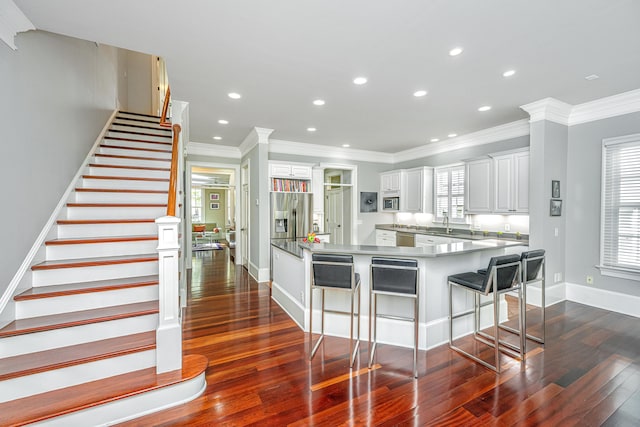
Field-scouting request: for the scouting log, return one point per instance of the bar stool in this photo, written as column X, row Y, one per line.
column 533, row 271
column 503, row 276
column 334, row 272
column 397, row 277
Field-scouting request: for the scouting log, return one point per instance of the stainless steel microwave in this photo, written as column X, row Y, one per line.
column 390, row 203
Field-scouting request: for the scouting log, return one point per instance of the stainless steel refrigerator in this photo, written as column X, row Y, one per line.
column 291, row 215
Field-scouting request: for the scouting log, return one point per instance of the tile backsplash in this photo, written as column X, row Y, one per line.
column 493, row 223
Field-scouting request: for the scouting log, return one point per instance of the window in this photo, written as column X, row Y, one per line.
column 449, row 193
column 620, row 220
column 196, row 205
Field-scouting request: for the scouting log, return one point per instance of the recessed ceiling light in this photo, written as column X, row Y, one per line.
column 435, row 139
column 508, row 73
column 452, row 135
column 419, row 93
column 346, row 145
column 455, row 51
column 318, row 102
column 592, row 77
column 360, row 80
column 223, row 122
column 311, row 129
column 217, row 138
column 234, row 95
column 485, row 108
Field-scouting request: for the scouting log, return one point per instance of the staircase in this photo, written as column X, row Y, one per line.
column 82, row 350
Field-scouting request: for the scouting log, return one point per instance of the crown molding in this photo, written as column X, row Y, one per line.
column 485, row 136
column 603, row 108
column 255, row 137
column 314, row 150
column 12, row 22
column 548, row 109
column 212, row 150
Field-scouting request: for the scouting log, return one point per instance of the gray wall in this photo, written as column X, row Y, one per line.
column 583, row 201
column 57, row 94
column 139, row 83
column 459, row 155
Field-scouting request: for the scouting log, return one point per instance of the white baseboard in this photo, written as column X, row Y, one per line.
column 289, row 304
column 259, row 274
column 552, row 294
column 601, row 298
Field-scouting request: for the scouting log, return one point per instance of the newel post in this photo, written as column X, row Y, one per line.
column 169, row 332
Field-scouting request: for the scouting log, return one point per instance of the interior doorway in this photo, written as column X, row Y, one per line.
column 212, row 208
column 338, row 215
column 245, row 215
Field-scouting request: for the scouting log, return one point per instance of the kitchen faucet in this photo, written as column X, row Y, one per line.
column 445, row 222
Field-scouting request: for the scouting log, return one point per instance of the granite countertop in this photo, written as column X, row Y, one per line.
column 292, row 248
column 456, row 233
column 444, row 249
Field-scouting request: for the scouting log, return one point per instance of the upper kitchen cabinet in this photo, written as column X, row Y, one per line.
column 478, row 186
column 390, row 183
column 416, row 190
column 290, row 177
column 511, row 175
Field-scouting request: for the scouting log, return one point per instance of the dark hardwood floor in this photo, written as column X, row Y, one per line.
column 588, row 374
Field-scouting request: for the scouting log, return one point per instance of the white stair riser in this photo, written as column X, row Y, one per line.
column 129, row 184
column 154, row 163
column 122, row 172
column 139, row 153
column 125, row 114
column 124, row 121
column 96, row 250
column 138, row 144
column 59, row 276
column 47, row 340
column 78, row 302
column 133, row 135
column 115, row 197
column 105, row 230
column 73, row 375
column 134, row 406
column 141, row 127
column 115, row 212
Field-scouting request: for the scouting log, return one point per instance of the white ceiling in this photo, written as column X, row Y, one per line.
column 282, row 54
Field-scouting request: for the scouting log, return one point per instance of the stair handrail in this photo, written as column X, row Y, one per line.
column 165, row 108
column 173, row 174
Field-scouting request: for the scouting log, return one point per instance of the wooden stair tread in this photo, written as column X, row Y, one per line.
column 116, row 156
column 122, row 147
column 125, row 178
column 146, row 168
column 138, row 114
column 137, row 126
column 102, row 221
column 118, row 190
column 77, row 318
column 64, row 401
column 51, row 291
column 89, row 240
column 117, row 205
column 90, row 262
column 58, row 358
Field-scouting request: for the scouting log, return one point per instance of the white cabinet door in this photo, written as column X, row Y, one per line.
column 390, row 182
column 280, row 170
column 412, row 193
column 301, row 172
column 512, row 183
column 385, row 238
column 478, row 186
column 318, row 190
column 503, row 183
column 521, row 202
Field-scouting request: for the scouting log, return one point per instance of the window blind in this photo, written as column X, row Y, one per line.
column 620, row 244
column 449, row 193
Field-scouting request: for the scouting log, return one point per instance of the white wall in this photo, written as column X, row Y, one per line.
column 139, row 83
column 57, row 93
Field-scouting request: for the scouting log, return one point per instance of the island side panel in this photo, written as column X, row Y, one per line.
column 289, row 287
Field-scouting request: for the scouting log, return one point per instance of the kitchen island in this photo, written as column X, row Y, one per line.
column 292, row 278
